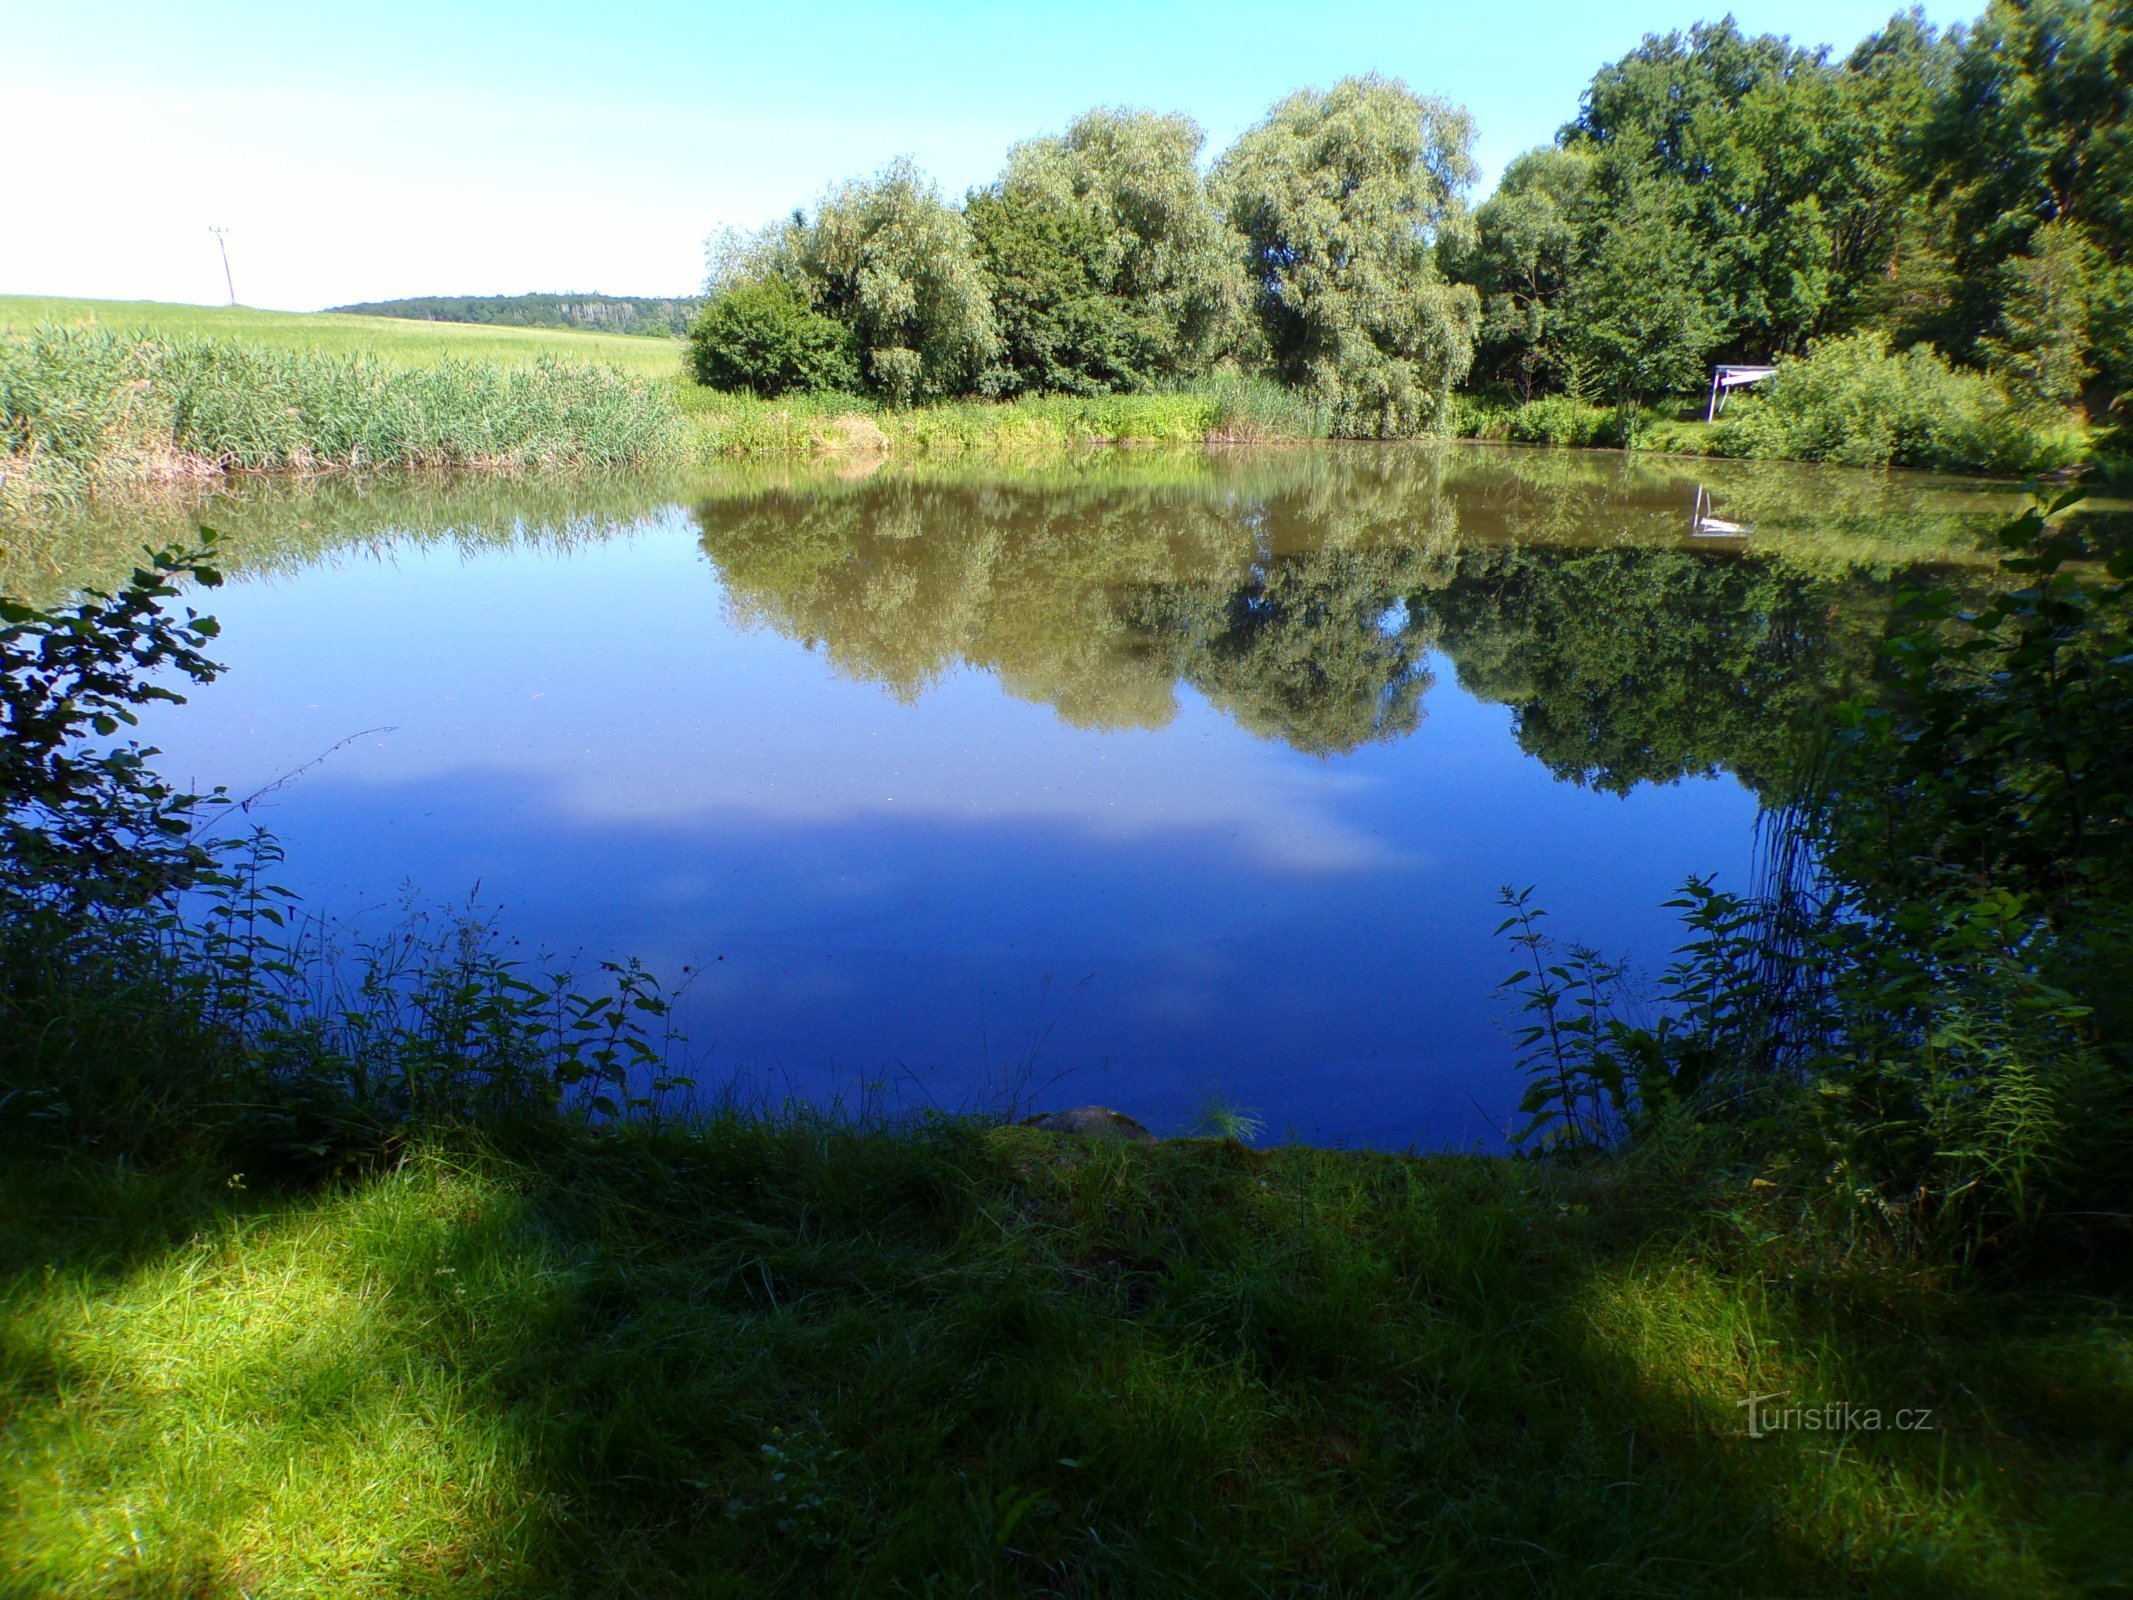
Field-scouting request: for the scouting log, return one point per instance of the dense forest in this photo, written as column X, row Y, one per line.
column 1928, row 234
column 602, row 313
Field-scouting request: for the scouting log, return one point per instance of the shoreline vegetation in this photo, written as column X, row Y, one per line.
column 1923, row 240
column 89, row 408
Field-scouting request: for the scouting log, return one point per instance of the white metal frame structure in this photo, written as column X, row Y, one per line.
column 1724, row 380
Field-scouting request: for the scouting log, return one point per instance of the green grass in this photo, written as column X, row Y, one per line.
column 1222, row 409
column 789, row 1357
column 387, row 339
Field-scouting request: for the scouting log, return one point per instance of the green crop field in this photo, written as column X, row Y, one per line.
column 386, row 338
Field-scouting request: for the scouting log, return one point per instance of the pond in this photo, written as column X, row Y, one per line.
column 1137, row 778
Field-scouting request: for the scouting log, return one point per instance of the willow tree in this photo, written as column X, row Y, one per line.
column 893, row 262
column 1341, row 196
column 1110, row 267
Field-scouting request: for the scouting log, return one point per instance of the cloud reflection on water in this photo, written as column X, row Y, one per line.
column 1178, row 785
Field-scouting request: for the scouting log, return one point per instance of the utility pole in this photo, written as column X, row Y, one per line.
column 222, row 236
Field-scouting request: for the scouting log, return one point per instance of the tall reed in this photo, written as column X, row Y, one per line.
column 89, row 408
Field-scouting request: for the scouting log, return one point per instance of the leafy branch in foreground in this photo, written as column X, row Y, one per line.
column 85, row 827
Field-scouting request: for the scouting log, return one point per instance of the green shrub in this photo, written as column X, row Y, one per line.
column 1558, row 419
column 764, row 338
column 86, row 831
column 1552, row 419
column 1471, row 416
column 1854, row 402
column 1227, row 408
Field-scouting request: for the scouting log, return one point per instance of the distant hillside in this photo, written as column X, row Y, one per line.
column 599, row 313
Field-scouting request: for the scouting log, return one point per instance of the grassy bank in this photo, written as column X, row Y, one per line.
column 791, row 1357
column 96, row 396
column 1220, row 410
column 211, row 388
column 1849, row 402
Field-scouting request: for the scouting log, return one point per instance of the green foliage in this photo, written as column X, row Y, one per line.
column 2008, row 733
column 1854, row 402
column 764, row 338
column 1927, row 1003
column 1219, row 1119
column 1595, row 1077
column 1109, row 266
column 1341, row 197
column 1061, row 328
column 2042, row 351
column 896, row 264
column 1777, row 173
column 1578, row 1095
column 86, row 828
column 1557, row 419
column 603, row 313
column 2033, row 134
column 1640, row 322
column 1252, row 408
column 1526, row 244
column 84, row 407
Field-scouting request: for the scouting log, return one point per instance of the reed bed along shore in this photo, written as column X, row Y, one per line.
column 89, row 409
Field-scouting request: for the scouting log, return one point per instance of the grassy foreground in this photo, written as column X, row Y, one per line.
column 800, row 1358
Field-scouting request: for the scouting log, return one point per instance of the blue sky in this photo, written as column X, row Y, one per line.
column 395, row 148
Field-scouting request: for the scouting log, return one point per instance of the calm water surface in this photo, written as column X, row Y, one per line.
column 1137, row 779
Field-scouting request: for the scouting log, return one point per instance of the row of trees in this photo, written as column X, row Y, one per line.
column 602, row 313
column 1717, row 197
column 1104, row 260
column 1721, row 197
